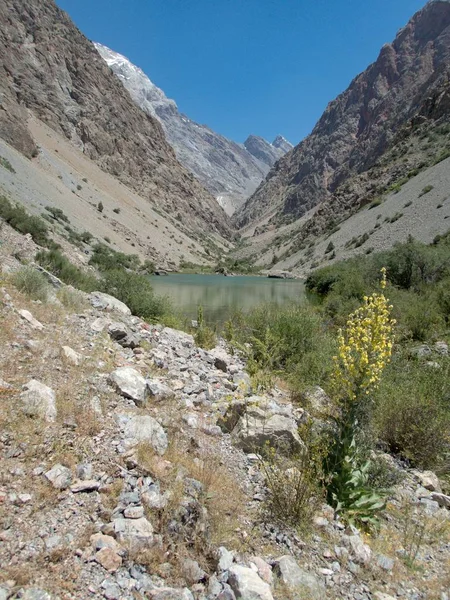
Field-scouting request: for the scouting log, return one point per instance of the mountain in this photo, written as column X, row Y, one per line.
column 49, row 70
column 282, row 144
column 230, row 171
column 358, row 128
column 262, row 150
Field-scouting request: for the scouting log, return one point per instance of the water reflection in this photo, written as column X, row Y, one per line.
column 221, row 296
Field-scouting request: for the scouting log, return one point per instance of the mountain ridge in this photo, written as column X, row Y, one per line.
column 356, row 128
column 230, row 171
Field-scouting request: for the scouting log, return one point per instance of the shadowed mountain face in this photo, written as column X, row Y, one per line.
column 230, row 171
column 358, row 126
column 49, row 68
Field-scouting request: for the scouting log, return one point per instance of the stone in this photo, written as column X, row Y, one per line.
column 109, row 559
column 225, row 559
column 143, row 428
column 100, row 324
column 133, row 512
column 441, row 348
column 123, row 336
column 28, row 317
column 60, row 477
column 304, row 585
column 84, row 471
column 129, row 383
column 263, row 568
column 383, row 596
column 134, row 533
column 35, row 594
column 166, row 593
column 108, row 303
column 317, row 400
column 86, row 485
column 100, row 540
column 248, row 585
column 362, row 553
column 428, row 480
column 159, row 391
column 192, row 571
column 257, row 429
column 38, row 400
column 70, row 356
column 441, row 499
column 385, row 562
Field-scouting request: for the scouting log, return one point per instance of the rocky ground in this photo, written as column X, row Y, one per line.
column 130, row 469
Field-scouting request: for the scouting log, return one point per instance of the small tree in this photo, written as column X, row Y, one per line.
column 100, row 207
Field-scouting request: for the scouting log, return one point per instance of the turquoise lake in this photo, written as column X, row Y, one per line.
column 221, row 296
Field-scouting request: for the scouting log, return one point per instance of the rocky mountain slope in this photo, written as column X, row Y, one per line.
column 128, row 469
column 359, row 126
column 49, row 68
column 230, row 171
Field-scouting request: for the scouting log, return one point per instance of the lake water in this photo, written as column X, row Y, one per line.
column 221, row 296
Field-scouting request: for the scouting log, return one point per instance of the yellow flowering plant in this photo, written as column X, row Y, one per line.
column 364, row 350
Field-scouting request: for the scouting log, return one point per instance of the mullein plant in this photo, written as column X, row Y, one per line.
column 364, row 350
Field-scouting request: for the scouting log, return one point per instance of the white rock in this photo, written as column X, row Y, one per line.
column 107, row 302
column 59, row 476
column 129, row 383
column 135, row 533
column 159, row 391
column 100, row 324
column 247, row 584
column 429, row 480
column 361, row 551
column 39, row 401
column 35, row 324
column 299, row 582
column 70, row 356
column 143, row 428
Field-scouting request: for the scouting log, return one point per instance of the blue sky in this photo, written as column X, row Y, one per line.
column 247, row 66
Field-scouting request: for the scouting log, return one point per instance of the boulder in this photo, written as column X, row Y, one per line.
column 166, row 593
column 441, row 499
column 301, row 584
column 256, row 429
column 134, row 533
column 159, row 391
column 361, row 552
column 109, row 303
column 110, row 560
column 38, row 400
column 28, row 317
column 60, row 477
column 143, row 428
column 129, row 383
column 123, row 336
column 248, row 585
column 429, row 480
column 70, row 356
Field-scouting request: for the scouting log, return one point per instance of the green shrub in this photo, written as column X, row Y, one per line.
column 204, row 336
column 105, row 258
column 100, row 207
column 4, row 162
column 32, row 283
column 57, row 213
column 21, row 221
column 136, row 292
column 412, row 414
column 116, row 210
column 59, row 265
column 426, row 190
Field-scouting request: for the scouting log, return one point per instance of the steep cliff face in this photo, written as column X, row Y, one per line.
column 358, row 126
column 48, row 67
column 230, row 171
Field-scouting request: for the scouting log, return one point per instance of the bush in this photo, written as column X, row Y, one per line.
column 204, row 337
column 32, row 283
column 21, row 221
column 105, row 259
column 57, row 213
column 4, row 162
column 72, row 299
column 100, row 207
column 412, row 414
column 59, row 265
column 136, row 292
